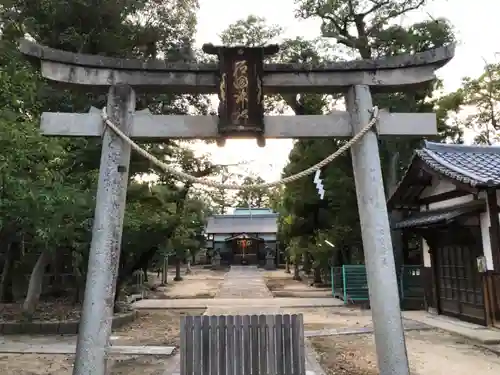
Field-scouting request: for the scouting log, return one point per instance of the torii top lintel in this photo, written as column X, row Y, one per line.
column 396, row 73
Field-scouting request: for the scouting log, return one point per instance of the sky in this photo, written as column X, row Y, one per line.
column 477, row 28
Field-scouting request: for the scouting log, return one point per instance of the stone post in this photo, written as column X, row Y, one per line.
column 104, row 258
column 164, row 272
column 270, row 262
column 375, row 231
column 216, row 261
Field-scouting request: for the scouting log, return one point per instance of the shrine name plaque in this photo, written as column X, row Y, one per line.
column 241, row 106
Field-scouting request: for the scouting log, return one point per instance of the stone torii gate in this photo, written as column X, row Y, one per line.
column 241, row 80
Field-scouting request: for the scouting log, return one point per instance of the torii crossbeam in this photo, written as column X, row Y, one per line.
column 241, row 80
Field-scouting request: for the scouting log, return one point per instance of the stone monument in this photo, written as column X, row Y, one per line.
column 270, row 259
column 216, row 258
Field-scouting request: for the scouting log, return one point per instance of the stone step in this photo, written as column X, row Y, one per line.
column 20, row 348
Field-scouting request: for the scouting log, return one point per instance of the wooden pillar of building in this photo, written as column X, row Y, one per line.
column 491, row 279
column 494, row 228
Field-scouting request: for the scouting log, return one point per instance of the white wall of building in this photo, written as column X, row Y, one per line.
column 440, row 186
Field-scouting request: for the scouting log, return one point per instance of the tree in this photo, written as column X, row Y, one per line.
column 251, row 32
column 482, row 97
column 365, row 29
column 48, row 185
column 222, row 198
column 257, row 198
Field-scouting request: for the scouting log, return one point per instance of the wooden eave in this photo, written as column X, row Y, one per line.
column 418, row 176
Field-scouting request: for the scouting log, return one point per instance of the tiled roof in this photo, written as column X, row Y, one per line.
column 218, row 224
column 473, row 165
column 441, row 216
column 252, row 211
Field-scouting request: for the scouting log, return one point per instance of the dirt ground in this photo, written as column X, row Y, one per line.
column 48, row 310
column 430, row 353
column 201, row 283
column 155, row 327
column 281, row 284
column 333, row 317
column 33, row 364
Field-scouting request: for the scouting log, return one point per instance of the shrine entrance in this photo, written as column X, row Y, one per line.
column 241, row 80
column 245, row 249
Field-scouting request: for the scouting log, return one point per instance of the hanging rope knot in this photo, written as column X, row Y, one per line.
column 204, row 181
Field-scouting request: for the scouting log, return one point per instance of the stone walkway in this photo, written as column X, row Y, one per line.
column 243, row 283
column 484, row 335
column 66, row 344
column 246, row 288
column 408, row 325
column 202, row 303
column 243, row 291
column 121, row 350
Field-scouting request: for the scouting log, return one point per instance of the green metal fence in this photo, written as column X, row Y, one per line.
column 349, row 283
column 355, row 284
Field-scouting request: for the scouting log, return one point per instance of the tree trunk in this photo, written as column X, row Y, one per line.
column 296, row 275
column 164, row 273
column 317, row 276
column 55, row 283
column 79, row 282
column 287, row 266
column 189, row 259
column 178, row 276
column 36, row 283
column 307, row 263
column 119, row 285
column 78, row 293
column 394, row 215
column 145, row 270
column 5, row 281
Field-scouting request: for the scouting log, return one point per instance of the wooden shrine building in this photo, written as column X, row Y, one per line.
column 244, row 236
column 448, row 200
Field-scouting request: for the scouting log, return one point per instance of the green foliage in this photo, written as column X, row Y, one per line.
column 47, row 185
column 252, row 32
column 367, row 29
column 253, row 198
column 482, row 97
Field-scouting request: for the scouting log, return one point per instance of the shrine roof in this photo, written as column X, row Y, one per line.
column 469, row 166
column 262, row 223
column 473, row 165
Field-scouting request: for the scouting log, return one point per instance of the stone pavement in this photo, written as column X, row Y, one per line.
column 202, row 303
column 481, row 334
column 243, row 282
column 408, row 325
column 66, row 344
column 244, row 291
column 248, row 283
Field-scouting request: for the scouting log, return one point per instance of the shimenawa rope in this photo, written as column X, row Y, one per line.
column 204, row 181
